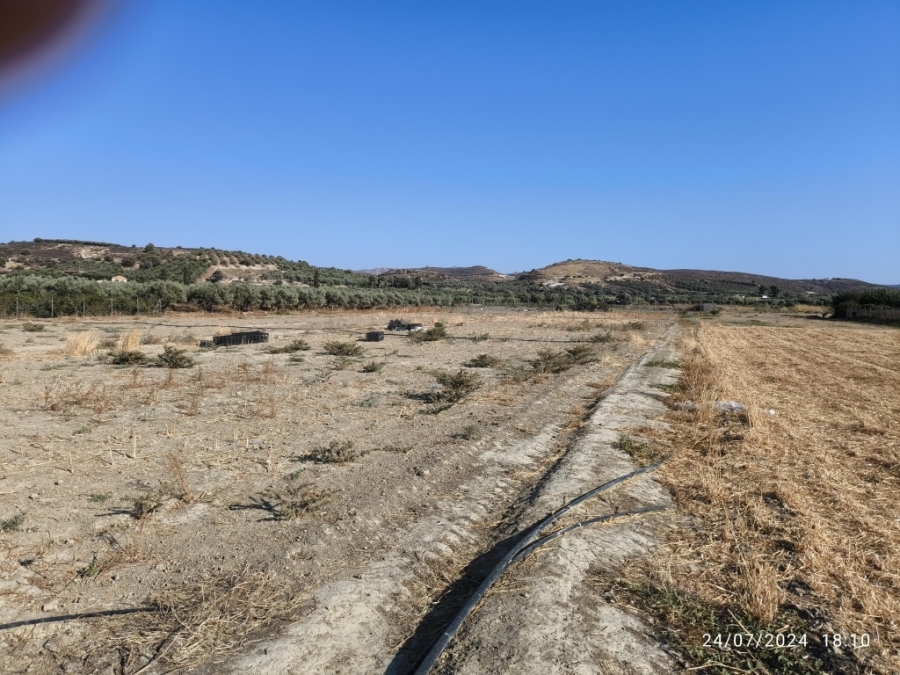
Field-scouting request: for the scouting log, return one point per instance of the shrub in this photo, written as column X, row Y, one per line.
column 454, row 386
column 372, row 367
column 290, row 348
column 551, row 362
column 294, row 503
column 482, row 361
column 336, row 452
column 127, row 358
column 342, row 349
column 143, row 506
column 470, row 432
column 31, row 327
column 433, row 334
column 601, row 338
column 13, row 524
column 174, row 358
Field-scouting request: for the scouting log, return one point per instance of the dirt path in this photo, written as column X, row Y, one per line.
column 372, row 619
column 544, row 617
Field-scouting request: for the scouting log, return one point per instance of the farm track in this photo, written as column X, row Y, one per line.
column 381, row 617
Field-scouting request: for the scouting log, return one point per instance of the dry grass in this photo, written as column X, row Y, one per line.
column 82, row 344
column 130, row 341
column 796, row 509
column 207, row 619
column 64, row 397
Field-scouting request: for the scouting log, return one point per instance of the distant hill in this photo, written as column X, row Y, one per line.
column 474, row 273
column 627, row 278
column 102, row 261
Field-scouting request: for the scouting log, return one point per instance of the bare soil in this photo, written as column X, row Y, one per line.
column 290, row 512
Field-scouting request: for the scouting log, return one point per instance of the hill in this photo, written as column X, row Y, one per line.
column 473, row 273
column 620, row 278
column 102, row 261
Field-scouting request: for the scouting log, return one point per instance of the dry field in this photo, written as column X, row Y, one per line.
column 789, row 511
column 219, row 497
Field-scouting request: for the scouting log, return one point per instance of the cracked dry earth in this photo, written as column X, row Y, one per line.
column 135, row 483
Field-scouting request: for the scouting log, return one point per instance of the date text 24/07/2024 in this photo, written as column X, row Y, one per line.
column 782, row 640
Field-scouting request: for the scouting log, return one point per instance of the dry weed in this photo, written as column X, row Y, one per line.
column 82, row 344
column 130, row 341
column 207, row 619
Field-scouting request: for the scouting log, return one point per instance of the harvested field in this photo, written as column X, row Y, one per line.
column 199, row 486
column 790, row 522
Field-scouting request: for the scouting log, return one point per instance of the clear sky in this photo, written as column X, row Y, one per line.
column 755, row 136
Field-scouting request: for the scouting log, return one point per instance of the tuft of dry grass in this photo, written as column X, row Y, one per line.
column 130, row 341
column 82, row 344
column 209, row 618
column 795, row 509
column 64, row 397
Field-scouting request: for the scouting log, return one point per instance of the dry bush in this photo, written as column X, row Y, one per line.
column 775, row 500
column 65, row 397
column 174, row 358
column 336, row 452
column 208, row 619
column 82, row 344
column 130, row 341
column 127, row 358
column 32, row 327
column 294, row 502
column 454, row 387
column 290, row 348
column 335, row 348
column 433, row 334
column 482, row 361
column 548, row 361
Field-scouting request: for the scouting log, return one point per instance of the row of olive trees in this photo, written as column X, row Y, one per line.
column 45, row 296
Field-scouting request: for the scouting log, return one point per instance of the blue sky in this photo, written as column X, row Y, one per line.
column 761, row 137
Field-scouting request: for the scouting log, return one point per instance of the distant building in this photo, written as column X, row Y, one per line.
column 120, row 280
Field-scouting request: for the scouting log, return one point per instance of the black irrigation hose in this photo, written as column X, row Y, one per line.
column 590, row 521
column 72, row 617
column 525, row 543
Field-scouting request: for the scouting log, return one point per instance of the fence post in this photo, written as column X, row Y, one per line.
column 51, row 306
